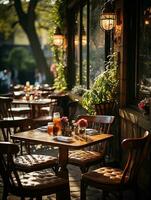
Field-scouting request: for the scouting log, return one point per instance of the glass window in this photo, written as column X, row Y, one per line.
column 84, row 46
column 90, row 46
column 97, row 41
column 144, row 66
column 77, row 47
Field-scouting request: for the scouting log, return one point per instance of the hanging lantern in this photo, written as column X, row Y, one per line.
column 58, row 38
column 107, row 17
column 84, row 36
column 147, row 16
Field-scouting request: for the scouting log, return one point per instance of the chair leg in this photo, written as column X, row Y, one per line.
column 83, row 190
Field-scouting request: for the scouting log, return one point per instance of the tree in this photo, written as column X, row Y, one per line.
column 28, row 15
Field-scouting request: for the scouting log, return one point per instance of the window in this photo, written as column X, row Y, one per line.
column 144, row 51
column 89, row 43
column 77, row 47
column 84, row 45
column 97, row 41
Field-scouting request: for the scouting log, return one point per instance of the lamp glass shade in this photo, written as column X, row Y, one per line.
column 84, row 40
column 107, row 21
column 58, row 40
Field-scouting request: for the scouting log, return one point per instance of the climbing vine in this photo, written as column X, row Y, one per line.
column 57, row 20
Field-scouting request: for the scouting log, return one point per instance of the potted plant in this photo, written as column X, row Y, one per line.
column 144, row 105
column 105, row 87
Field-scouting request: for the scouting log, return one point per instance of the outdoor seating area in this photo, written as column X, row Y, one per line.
column 65, row 151
column 67, row 157
column 75, row 100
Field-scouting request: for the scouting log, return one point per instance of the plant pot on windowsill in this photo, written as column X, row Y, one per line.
column 144, row 106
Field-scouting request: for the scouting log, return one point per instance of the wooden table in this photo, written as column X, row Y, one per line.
column 38, row 137
column 34, row 104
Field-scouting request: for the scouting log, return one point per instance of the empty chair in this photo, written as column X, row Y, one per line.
column 88, row 157
column 26, row 162
column 112, row 180
column 34, row 184
column 8, row 112
column 5, row 108
column 48, row 110
column 72, row 108
column 46, row 114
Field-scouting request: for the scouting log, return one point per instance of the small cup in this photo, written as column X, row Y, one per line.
column 50, row 128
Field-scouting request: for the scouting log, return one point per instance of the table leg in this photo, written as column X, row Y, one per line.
column 33, row 111
column 63, row 171
column 63, row 161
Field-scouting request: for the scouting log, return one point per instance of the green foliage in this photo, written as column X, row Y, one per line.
column 56, row 19
column 8, row 20
column 105, row 87
column 17, row 16
column 78, row 90
column 60, row 82
column 20, row 58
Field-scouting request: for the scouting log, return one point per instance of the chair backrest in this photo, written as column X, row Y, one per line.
column 105, row 108
column 102, row 123
column 9, row 127
column 138, row 149
column 72, row 107
column 5, row 107
column 7, row 168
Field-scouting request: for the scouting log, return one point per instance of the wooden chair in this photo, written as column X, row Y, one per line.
column 88, row 157
column 26, row 162
column 72, row 107
column 112, row 180
column 8, row 112
column 34, row 184
column 46, row 115
column 105, row 108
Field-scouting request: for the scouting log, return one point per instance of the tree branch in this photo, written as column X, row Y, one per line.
column 31, row 7
column 19, row 9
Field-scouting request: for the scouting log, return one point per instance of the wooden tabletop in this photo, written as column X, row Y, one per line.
column 77, row 142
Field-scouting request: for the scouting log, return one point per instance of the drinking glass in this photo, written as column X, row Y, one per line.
column 57, row 123
column 50, row 128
